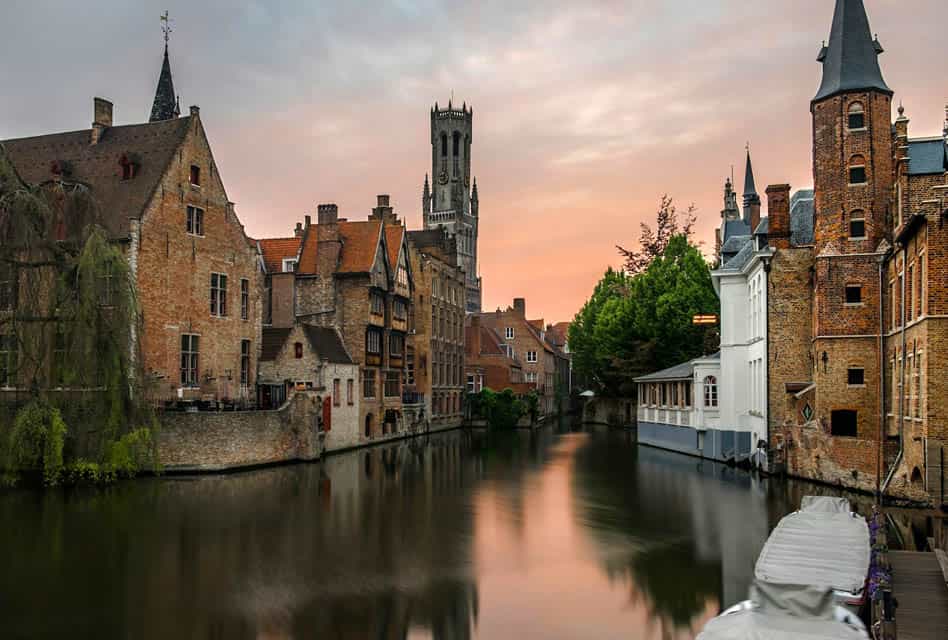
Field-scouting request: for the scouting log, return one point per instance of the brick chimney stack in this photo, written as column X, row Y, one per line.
column 520, row 306
column 327, row 214
column 778, row 210
column 101, row 118
column 383, row 210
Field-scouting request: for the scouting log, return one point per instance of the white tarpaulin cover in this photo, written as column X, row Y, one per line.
column 825, row 504
column 817, row 547
column 784, row 612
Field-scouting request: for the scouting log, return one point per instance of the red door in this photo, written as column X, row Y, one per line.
column 327, row 413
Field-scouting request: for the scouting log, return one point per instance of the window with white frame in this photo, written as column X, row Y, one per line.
column 218, row 294
column 289, row 265
column 508, row 333
column 530, row 376
column 531, row 356
column 189, row 360
column 195, row 221
column 244, row 299
column 710, row 391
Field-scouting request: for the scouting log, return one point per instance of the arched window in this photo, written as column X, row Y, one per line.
column 710, row 391
column 457, row 143
column 444, row 145
column 857, row 170
column 857, row 225
column 857, row 117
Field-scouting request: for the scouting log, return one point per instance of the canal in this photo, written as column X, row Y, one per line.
column 559, row 533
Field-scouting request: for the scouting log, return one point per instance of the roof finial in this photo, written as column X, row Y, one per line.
column 901, row 109
column 166, row 26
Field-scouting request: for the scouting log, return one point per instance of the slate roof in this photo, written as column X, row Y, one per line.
column 275, row 250
column 152, row 145
column 742, row 257
column 801, row 218
column 360, row 245
column 683, row 371
column 927, row 156
column 763, row 228
column 736, row 228
column 327, row 343
column 734, row 244
column 851, row 60
column 165, row 106
column 272, row 343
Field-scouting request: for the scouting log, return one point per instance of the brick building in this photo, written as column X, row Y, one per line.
column 524, row 340
column 856, row 317
column 162, row 199
column 354, row 277
column 488, row 362
column 435, row 366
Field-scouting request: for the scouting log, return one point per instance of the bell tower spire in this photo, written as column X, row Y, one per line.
column 751, row 197
column 165, row 105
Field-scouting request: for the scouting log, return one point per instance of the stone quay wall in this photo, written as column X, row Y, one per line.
column 218, row 441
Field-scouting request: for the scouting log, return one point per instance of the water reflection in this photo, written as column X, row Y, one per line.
column 551, row 534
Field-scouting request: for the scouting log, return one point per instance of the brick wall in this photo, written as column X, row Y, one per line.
column 210, row 441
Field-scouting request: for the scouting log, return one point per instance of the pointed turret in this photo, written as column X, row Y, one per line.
column 474, row 199
column 165, row 106
column 426, row 198
column 751, row 198
column 851, row 59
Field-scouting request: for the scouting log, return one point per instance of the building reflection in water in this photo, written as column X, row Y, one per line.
column 519, row 535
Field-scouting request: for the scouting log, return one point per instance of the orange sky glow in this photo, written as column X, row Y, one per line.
column 584, row 113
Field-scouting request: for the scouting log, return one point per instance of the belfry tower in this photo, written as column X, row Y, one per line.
column 451, row 201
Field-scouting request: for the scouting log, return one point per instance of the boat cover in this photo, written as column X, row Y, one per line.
column 819, row 548
column 825, row 504
column 783, row 612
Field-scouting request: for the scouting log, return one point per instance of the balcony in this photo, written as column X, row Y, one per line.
column 412, row 398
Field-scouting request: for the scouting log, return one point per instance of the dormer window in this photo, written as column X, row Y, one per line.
column 195, row 175
column 289, row 265
column 857, row 117
column 857, row 170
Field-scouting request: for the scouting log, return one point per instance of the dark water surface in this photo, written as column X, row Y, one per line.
column 552, row 534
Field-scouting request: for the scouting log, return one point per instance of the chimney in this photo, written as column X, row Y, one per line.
column 101, row 118
column 327, row 214
column 298, row 232
column 383, row 210
column 754, row 215
column 475, row 330
column 307, row 220
column 778, row 210
column 195, row 111
column 520, row 306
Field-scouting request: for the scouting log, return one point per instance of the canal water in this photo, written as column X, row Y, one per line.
column 558, row 533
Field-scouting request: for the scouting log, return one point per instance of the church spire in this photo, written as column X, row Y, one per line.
column 165, row 106
column 850, row 61
column 475, row 202
column 750, row 188
column 426, row 198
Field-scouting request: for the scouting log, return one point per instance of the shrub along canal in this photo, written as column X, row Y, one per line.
column 557, row 533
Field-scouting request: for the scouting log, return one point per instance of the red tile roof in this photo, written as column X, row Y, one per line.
column 308, row 251
column 275, row 250
column 394, row 234
column 360, row 245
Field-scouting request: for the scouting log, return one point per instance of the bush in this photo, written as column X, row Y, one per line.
column 501, row 410
column 36, row 441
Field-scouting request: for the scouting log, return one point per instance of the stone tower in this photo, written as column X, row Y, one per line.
column 449, row 201
column 853, row 179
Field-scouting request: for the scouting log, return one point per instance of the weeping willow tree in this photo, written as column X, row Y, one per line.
column 72, row 394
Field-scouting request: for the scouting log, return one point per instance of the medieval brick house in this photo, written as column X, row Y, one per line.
column 162, row 199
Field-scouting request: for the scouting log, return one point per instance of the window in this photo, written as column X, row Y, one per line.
column 410, row 366
column 377, row 303
column 298, row 350
column 245, row 362
column 289, row 265
column 857, row 117
column 857, row 225
column 337, row 392
column 399, row 309
column 853, row 294
column 8, row 360
column 195, row 221
column 531, row 356
column 710, row 391
column 393, row 384
column 373, row 342
column 444, row 145
column 402, row 276
column 244, row 299
column 530, row 376
column 857, row 170
column 843, row 423
column 8, row 287
column 218, row 294
column 396, row 345
column 910, row 295
column 368, row 383
column 189, row 360
column 509, row 333
column 856, row 377
column 195, row 175
column 471, row 384
column 456, row 145
column 105, row 285
column 350, row 392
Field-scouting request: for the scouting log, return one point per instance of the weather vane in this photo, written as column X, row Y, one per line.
column 166, row 25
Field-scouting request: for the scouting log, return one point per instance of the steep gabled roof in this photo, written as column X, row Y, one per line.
column 801, row 218
column 851, row 60
column 327, row 343
column 927, row 156
column 272, row 343
column 309, row 251
column 394, row 235
column 275, row 250
column 151, row 146
column 361, row 241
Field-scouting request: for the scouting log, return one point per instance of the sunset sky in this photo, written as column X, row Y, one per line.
column 585, row 113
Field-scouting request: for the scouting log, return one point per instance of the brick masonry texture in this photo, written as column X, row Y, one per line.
column 210, row 441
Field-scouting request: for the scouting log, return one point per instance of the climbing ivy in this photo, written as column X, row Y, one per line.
column 70, row 347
